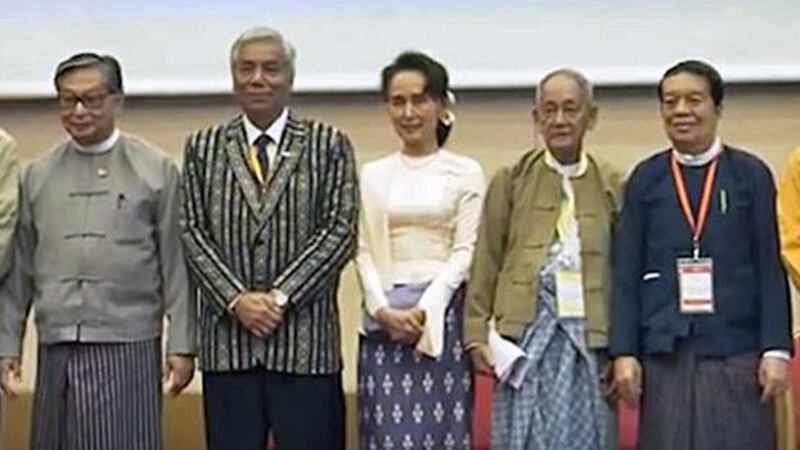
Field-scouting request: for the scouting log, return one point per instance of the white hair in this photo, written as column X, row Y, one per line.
column 264, row 34
column 583, row 83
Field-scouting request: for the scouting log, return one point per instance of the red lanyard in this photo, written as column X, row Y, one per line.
column 696, row 223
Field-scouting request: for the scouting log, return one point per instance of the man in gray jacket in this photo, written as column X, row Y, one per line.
column 98, row 256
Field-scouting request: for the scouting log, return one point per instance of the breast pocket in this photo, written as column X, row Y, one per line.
column 133, row 218
column 741, row 201
column 737, row 208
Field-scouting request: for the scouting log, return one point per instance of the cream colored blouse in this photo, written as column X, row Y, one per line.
column 418, row 224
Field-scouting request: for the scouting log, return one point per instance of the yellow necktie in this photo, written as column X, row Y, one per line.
column 259, row 160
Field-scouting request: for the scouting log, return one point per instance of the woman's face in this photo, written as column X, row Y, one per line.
column 413, row 113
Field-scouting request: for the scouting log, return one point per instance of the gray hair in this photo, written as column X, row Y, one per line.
column 264, row 34
column 583, row 83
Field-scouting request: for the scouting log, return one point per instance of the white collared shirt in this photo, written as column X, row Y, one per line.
column 574, row 170
column 100, row 147
column 699, row 159
column 275, row 131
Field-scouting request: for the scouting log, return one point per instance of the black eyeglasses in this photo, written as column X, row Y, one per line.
column 92, row 102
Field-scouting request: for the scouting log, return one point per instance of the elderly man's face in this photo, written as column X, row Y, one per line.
column 87, row 107
column 562, row 115
column 689, row 114
column 262, row 80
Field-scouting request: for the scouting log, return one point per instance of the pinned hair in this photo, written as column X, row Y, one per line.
column 437, row 85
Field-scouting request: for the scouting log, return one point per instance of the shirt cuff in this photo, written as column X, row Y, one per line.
column 232, row 304
column 372, row 304
column 777, row 354
column 280, row 297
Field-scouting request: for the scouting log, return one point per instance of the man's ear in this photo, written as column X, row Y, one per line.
column 592, row 117
column 118, row 100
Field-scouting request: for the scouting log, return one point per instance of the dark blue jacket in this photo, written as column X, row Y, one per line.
column 750, row 287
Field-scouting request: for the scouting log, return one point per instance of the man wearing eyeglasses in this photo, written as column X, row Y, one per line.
column 98, row 256
column 541, row 272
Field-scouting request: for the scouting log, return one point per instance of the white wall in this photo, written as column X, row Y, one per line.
column 169, row 46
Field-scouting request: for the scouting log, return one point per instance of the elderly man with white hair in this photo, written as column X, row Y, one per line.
column 541, row 274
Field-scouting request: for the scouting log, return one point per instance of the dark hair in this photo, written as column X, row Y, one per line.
column 437, row 83
column 107, row 64
column 701, row 69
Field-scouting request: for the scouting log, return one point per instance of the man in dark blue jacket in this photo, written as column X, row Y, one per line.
column 700, row 316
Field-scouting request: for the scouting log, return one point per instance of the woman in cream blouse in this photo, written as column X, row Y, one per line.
column 420, row 211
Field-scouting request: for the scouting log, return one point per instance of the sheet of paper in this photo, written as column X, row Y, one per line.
column 511, row 363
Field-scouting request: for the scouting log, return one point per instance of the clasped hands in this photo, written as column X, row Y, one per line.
column 403, row 325
column 258, row 312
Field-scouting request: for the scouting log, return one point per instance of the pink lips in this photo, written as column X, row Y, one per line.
column 683, row 126
column 410, row 127
column 561, row 135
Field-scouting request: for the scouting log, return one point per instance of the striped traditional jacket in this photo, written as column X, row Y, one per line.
column 295, row 235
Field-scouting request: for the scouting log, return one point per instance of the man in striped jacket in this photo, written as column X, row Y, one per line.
column 270, row 211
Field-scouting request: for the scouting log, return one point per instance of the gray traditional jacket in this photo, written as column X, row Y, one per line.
column 98, row 252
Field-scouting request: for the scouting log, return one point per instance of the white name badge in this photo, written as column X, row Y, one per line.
column 569, row 294
column 696, row 283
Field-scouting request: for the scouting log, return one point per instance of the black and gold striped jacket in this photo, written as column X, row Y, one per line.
column 295, row 235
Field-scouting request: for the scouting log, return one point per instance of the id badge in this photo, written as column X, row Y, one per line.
column 696, row 285
column 569, row 294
